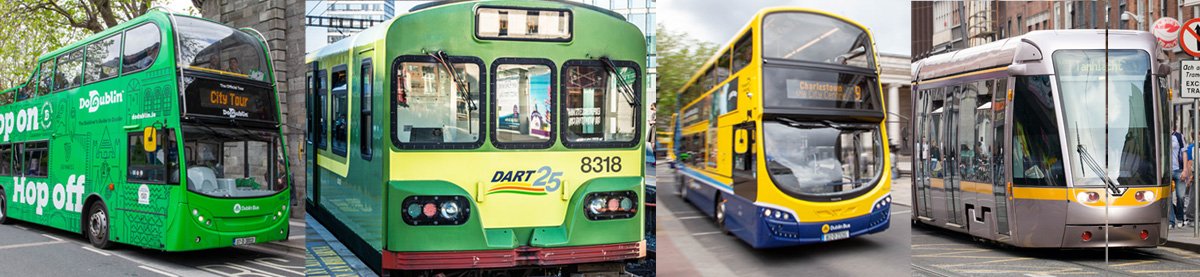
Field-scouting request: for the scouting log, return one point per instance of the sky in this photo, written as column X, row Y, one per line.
column 716, row 21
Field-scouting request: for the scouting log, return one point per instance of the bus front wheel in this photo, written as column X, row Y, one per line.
column 97, row 227
column 720, row 214
column 4, row 209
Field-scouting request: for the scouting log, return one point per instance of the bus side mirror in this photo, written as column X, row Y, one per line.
column 150, row 139
column 741, row 143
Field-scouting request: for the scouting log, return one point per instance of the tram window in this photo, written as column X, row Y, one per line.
column 152, row 166
column 524, row 102
column 6, row 160
column 319, row 109
column 966, row 141
column 596, row 108
column 36, row 159
column 102, row 59
column 983, row 131
column 141, row 47
column 431, row 106
column 340, row 106
column 365, row 124
column 47, row 79
column 742, row 53
column 1037, row 155
column 68, row 73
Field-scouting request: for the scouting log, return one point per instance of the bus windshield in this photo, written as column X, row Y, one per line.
column 233, row 162
column 216, row 48
column 1109, row 132
column 822, row 159
column 816, row 38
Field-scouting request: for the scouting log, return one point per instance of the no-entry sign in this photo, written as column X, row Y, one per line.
column 1189, row 37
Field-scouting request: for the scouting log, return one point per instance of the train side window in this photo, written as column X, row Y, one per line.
column 102, row 62
column 366, row 84
column 6, row 160
column 340, row 108
column 742, row 53
column 1036, row 155
column 142, row 44
column 308, row 112
column 69, row 72
column 319, row 109
column 36, row 158
column 46, row 80
column 152, row 166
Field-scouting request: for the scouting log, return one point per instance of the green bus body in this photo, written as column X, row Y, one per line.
column 95, row 128
column 360, row 193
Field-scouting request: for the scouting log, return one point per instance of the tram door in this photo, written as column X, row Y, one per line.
column 921, row 152
column 953, row 150
column 937, row 164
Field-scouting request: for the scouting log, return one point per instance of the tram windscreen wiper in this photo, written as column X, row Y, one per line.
column 1099, row 171
column 623, row 86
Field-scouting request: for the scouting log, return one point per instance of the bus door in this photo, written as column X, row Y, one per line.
column 951, row 151
column 744, row 182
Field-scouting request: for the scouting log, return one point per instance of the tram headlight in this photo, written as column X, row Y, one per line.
column 1144, row 196
column 435, row 210
column 1087, row 197
column 611, row 205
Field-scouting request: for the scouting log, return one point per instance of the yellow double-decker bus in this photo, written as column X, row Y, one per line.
column 780, row 136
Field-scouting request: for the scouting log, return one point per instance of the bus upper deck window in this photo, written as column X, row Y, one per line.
column 141, row 47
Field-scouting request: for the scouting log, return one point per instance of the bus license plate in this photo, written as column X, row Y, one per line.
column 243, row 241
column 835, row 235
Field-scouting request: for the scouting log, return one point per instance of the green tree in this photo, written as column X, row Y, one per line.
column 679, row 56
column 34, row 27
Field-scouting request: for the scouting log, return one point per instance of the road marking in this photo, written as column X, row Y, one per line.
column 296, row 223
column 97, row 251
column 242, row 270
column 902, row 212
column 275, row 251
column 693, row 217
column 52, row 237
column 952, row 254
column 21, row 227
column 30, row 244
column 1134, row 263
column 267, row 262
column 987, row 262
column 151, row 269
column 706, row 233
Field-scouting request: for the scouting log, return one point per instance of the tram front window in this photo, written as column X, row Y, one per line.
column 233, row 162
column 822, row 159
column 1107, row 133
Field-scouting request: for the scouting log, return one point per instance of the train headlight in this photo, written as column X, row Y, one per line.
column 1144, row 196
column 449, row 210
column 1087, row 197
column 611, row 205
column 435, row 210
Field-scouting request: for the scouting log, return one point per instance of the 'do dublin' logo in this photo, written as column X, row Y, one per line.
column 238, row 208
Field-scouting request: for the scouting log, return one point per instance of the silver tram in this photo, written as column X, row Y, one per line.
column 1044, row 139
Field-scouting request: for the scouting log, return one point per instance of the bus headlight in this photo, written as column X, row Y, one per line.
column 611, row 205
column 435, row 210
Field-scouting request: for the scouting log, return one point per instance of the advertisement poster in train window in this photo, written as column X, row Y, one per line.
column 526, row 114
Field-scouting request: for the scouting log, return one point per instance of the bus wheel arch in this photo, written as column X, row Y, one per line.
column 719, row 209
column 91, row 207
column 4, row 207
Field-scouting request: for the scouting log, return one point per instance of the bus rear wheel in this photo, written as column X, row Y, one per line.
column 97, row 226
column 4, row 209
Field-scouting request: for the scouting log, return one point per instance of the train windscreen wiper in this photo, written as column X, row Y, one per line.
column 624, row 87
column 463, row 91
column 1099, row 171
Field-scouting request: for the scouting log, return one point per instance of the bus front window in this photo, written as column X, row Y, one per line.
column 233, row 162
column 827, row 160
column 212, row 47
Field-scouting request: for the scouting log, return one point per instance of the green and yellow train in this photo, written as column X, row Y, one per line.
column 482, row 136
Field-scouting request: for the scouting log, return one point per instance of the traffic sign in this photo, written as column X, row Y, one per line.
column 1166, row 29
column 1189, row 37
column 1189, row 78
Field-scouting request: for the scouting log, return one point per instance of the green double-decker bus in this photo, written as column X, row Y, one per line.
column 482, row 137
column 162, row 132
